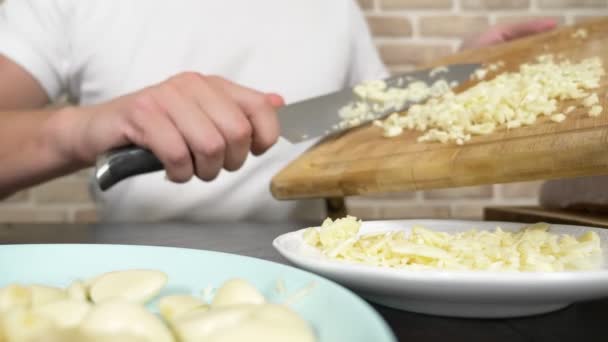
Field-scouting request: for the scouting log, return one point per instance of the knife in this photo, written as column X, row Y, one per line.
column 313, row 118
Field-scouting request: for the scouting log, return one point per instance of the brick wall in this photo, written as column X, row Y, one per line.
column 407, row 32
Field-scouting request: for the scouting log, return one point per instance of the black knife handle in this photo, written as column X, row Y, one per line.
column 122, row 163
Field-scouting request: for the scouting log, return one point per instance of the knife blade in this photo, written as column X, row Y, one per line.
column 312, row 118
column 317, row 116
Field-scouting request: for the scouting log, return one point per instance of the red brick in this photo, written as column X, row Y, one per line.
column 453, row 26
column 415, row 4
column 414, row 211
column 572, row 3
column 32, row 215
column 521, row 190
column 460, row 193
column 20, row 197
column 467, row 211
column 511, row 19
column 494, row 4
column 73, row 190
column 366, row 4
column 412, row 54
column 86, row 215
column 389, row 26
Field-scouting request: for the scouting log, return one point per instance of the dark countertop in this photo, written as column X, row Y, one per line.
column 580, row 322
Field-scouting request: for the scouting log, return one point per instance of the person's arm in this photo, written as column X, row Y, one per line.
column 18, row 89
column 23, row 152
column 195, row 124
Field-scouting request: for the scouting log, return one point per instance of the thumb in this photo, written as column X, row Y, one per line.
column 520, row 30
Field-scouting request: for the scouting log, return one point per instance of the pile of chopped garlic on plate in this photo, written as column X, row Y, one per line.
column 510, row 100
column 533, row 248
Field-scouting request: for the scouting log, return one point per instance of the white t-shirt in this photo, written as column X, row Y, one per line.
column 100, row 49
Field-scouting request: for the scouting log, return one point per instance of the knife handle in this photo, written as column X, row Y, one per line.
column 122, row 163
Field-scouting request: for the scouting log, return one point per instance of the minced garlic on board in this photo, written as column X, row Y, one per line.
column 511, row 100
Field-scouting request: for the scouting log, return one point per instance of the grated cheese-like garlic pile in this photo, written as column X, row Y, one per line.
column 532, row 248
column 511, row 100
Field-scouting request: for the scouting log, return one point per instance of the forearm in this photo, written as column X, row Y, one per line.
column 31, row 151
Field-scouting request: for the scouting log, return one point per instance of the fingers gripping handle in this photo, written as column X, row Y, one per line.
column 122, row 163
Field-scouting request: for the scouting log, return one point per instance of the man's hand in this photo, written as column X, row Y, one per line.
column 196, row 125
column 504, row 33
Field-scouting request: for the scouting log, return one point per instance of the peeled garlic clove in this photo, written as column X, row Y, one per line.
column 77, row 291
column 25, row 325
column 172, row 306
column 278, row 323
column 46, row 294
column 199, row 326
column 133, row 285
column 14, row 296
column 123, row 318
column 66, row 313
column 252, row 323
column 267, row 323
column 237, row 291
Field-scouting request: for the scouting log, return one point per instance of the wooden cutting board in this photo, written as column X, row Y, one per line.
column 362, row 161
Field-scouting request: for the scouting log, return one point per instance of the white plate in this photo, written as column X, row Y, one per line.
column 478, row 294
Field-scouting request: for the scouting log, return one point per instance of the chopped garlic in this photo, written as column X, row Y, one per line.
column 532, row 248
column 514, row 124
column 438, row 70
column 376, row 98
column 570, row 109
column 580, row 33
column 595, row 111
column 559, row 117
column 481, row 73
column 393, row 131
column 496, row 66
column 511, row 100
column 591, row 100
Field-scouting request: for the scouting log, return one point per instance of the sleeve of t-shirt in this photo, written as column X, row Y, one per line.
column 365, row 61
column 33, row 35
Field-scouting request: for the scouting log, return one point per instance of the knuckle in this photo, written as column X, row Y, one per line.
column 210, row 148
column 260, row 104
column 178, row 158
column 143, row 102
column 216, row 79
column 188, row 76
column 241, row 133
column 167, row 91
column 139, row 112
